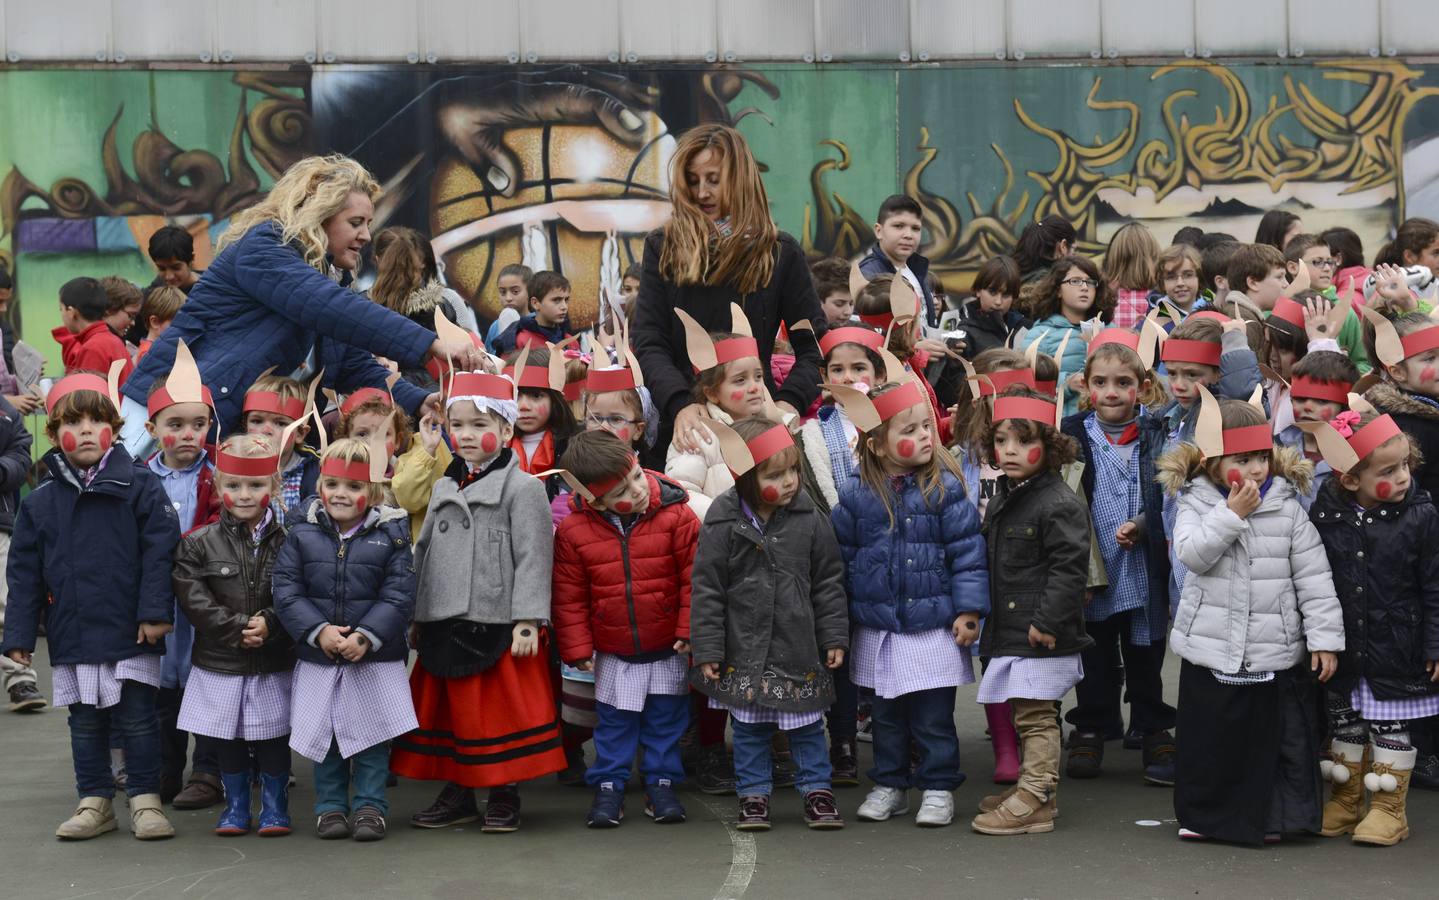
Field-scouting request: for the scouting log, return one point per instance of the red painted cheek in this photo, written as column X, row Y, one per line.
column 1234, row 476
column 623, row 434
column 489, row 442
column 1094, row 399
column 1383, row 490
column 1133, row 395
column 168, row 440
column 1427, row 374
column 1035, row 455
column 1326, row 414
column 770, row 494
column 736, row 397
column 360, row 503
column 264, row 499
column 106, row 438
column 68, row 443
column 905, row 448
column 228, row 500
column 624, row 507
column 389, row 448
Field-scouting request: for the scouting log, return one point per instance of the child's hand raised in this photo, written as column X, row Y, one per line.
column 1127, row 535
column 152, row 632
column 354, row 647
column 965, row 629
column 1244, row 499
column 833, row 658
column 430, row 433
column 525, row 640
column 255, row 633
column 1391, row 286
column 330, row 638
column 1038, row 638
column 1325, row 663
column 711, row 671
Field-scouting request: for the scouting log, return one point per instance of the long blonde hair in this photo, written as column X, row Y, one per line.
column 693, row 252
column 929, row 477
column 308, row 195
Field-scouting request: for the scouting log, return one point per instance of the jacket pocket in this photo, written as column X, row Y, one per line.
column 1188, row 612
column 1020, row 547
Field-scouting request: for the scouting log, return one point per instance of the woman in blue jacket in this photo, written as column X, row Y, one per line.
column 277, row 297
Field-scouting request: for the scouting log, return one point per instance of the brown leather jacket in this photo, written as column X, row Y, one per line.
column 221, row 581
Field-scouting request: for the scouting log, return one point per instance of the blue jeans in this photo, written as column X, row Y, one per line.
column 620, row 732
column 754, row 768
column 927, row 718
column 366, row 772
column 136, row 728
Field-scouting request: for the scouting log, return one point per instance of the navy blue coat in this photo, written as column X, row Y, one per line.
column 876, row 263
column 922, row 573
column 14, row 462
column 101, row 553
column 366, row 581
column 260, row 306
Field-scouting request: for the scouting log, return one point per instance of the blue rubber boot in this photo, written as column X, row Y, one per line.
column 274, row 804
column 235, row 820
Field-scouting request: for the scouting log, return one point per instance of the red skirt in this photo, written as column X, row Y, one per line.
column 497, row 727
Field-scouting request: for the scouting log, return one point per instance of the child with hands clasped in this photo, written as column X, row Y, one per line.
column 1257, row 615
column 918, row 586
column 1379, row 530
column 92, row 550
column 344, row 588
column 767, row 620
column 238, row 693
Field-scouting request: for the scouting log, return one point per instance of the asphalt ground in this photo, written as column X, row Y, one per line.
column 1116, row 838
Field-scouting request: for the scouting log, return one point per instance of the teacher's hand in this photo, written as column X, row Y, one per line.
column 464, row 355
column 687, row 425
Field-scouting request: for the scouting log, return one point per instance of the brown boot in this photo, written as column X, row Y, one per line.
column 201, row 792
column 93, row 817
column 1346, row 770
column 1020, row 813
column 991, row 802
column 1388, row 783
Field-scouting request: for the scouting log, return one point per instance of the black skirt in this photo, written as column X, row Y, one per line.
column 1247, row 756
column 455, row 648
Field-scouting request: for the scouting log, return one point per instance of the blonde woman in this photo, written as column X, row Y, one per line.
column 277, row 296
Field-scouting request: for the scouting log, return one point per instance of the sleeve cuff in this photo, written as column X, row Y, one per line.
column 375, row 642
column 314, row 636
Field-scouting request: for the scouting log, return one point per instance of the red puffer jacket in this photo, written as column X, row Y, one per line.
column 625, row 594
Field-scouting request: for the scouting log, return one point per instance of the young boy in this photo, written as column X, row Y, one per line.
column 19, row 680
column 1214, row 265
column 157, row 311
column 621, row 607
column 1318, row 392
column 271, row 404
column 831, row 283
column 513, row 286
column 897, row 233
column 172, row 251
column 1258, row 271
column 549, row 318
column 123, row 308
column 1181, row 277
column 1309, row 251
column 86, row 342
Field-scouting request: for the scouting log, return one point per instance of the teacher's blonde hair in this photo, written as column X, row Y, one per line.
column 309, row 194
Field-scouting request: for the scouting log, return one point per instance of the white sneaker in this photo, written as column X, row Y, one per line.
column 935, row 810
column 882, row 803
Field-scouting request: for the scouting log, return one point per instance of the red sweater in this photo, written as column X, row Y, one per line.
column 92, row 350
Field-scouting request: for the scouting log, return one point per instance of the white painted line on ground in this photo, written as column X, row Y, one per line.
column 743, row 855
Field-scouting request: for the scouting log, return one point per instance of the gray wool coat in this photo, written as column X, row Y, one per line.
column 484, row 553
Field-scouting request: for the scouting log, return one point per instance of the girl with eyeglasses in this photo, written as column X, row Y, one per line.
column 1071, row 294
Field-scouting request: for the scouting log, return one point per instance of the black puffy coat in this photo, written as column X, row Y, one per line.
column 1419, row 420
column 1386, row 572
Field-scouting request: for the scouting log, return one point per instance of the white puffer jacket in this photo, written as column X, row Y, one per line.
column 703, row 473
column 1259, row 594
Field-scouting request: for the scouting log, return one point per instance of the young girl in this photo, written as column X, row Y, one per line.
column 483, row 560
column 917, row 583
column 1258, row 596
column 988, row 318
column 1037, row 531
column 1379, row 531
column 890, row 304
column 344, row 588
column 1072, row 293
column 271, row 404
column 239, row 687
column 1130, row 269
column 92, row 550
column 1120, row 444
column 545, row 420
column 1181, row 278
column 768, row 627
column 371, row 415
column 1408, row 350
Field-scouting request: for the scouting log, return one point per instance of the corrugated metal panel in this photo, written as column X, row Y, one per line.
column 862, row 29
column 1147, row 27
column 1045, row 28
column 943, row 29
column 281, row 30
column 163, row 29
column 369, row 31
column 1335, row 27
column 561, row 29
column 664, row 29
column 35, row 32
column 765, row 29
column 456, row 30
column 1409, row 26
column 1242, row 28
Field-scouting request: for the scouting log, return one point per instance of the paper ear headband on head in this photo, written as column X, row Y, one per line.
column 741, row 455
column 1393, row 349
column 850, row 334
column 706, row 353
column 482, row 384
column 86, row 381
column 868, row 413
column 1304, row 387
column 354, row 470
column 1345, row 453
column 182, row 385
column 1143, row 342
column 903, row 301
column 246, row 466
column 365, row 395
column 1214, row 440
column 271, row 402
column 1030, row 408
column 1290, row 311
column 1204, row 353
column 595, row 489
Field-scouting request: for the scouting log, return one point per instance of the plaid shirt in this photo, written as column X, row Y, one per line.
column 1116, row 500
column 841, row 454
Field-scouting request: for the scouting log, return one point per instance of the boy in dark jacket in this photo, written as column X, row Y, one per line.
column 987, row 318
column 86, row 343
column 622, row 597
column 549, row 317
column 19, row 681
column 95, row 542
column 897, row 230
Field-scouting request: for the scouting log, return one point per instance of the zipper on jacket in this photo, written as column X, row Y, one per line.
column 340, row 584
column 630, row 593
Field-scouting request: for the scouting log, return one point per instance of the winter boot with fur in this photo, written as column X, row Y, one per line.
column 1345, row 770
column 1388, row 784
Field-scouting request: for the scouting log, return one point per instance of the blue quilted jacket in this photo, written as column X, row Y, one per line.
column 922, row 573
column 259, row 305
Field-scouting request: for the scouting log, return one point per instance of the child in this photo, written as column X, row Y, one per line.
column 238, row 694
column 764, row 646
column 917, row 585
column 995, row 372
column 1408, row 348
column 1416, row 243
column 548, row 321
column 1037, row 531
column 1349, row 268
column 157, row 311
column 86, row 343
column 828, row 441
column 106, row 609
column 1312, row 254
column 897, row 232
column 545, row 420
column 1214, row 267
column 344, row 588
column 1379, row 531
column 372, row 413
column 272, row 404
column 1258, row 595
column 172, row 253
column 1259, row 272
column 483, row 559
column 1129, row 267
column 1120, row 444
column 988, row 318
column 19, row 682
column 831, row 284
column 630, row 288
column 1071, row 294
column 1181, row 273
column 621, row 610
column 513, row 287
column 1319, row 392
column 122, row 309
column 886, row 302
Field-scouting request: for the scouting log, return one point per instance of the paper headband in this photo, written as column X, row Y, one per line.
column 904, row 303
column 1214, row 440
column 998, row 382
column 741, row 455
column 1031, row 408
column 850, row 334
column 1143, row 342
column 1345, row 453
column 354, row 470
column 595, row 489
column 868, row 413
column 1204, row 353
column 246, row 466
column 365, row 395
column 109, row 388
column 182, row 385
column 1304, row 387
column 1393, row 349
column 482, row 384
column 706, row 353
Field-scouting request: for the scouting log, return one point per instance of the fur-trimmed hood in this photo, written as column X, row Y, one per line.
column 424, row 299
column 1390, row 399
column 1184, row 463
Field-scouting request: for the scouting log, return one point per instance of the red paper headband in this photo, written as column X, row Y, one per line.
column 1120, row 336
column 891, row 403
column 1214, row 314
column 770, row 442
column 1314, row 389
column 271, row 402
column 599, row 488
column 1367, row 439
column 573, row 389
column 850, row 335
column 1030, row 408
column 1204, row 353
column 604, row 381
column 247, row 466
column 731, row 349
column 1249, row 439
column 1420, row 341
column 355, row 470
column 72, row 383
column 483, row 384
column 999, row 382
column 161, row 400
column 535, row 378
column 365, row 395
column 1290, row 311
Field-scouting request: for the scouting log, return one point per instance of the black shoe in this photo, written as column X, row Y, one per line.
column 1086, row 754
column 573, row 774
column 368, row 824
column 608, row 808
column 454, row 806
column 1426, row 772
column 1134, row 739
column 332, row 826
column 26, row 697
column 662, row 804
column 502, row 811
column 844, row 762
column 1159, row 759
column 716, row 771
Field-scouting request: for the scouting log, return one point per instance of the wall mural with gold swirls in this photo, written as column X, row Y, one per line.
column 567, row 166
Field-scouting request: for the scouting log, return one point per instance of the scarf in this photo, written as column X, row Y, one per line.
column 544, row 457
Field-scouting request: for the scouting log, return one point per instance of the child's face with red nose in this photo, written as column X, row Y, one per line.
column 630, row 496
column 478, row 435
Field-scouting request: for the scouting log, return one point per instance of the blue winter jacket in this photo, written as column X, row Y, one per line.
column 98, row 555
column 365, row 581
column 922, row 573
column 1050, row 334
column 260, row 305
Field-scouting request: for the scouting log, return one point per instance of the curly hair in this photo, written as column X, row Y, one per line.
column 1059, row 448
column 376, row 406
column 970, row 426
column 309, row 194
column 1044, row 302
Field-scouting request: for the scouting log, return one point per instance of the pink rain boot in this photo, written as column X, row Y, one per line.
column 1005, row 740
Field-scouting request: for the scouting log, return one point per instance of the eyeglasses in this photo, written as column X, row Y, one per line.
column 615, row 421
column 1324, row 263
column 1081, row 282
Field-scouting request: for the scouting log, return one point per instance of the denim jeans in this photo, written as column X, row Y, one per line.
column 366, row 772
column 927, row 718
column 620, row 732
column 135, row 727
column 754, row 767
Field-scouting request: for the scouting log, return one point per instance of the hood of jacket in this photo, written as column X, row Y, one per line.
column 315, row 513
column 1391, row 399
column 1179, row 469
